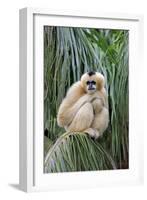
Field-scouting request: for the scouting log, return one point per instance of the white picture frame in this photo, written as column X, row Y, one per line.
column 31, row 174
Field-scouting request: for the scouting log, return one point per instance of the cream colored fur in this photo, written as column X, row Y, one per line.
column 84, row 112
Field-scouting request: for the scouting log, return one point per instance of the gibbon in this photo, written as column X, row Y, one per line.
column 85, row 107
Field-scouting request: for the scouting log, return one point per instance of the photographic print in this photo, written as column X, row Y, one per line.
column 86, row 99
column 79, row 114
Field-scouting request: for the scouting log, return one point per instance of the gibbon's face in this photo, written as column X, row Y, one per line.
column 92, row 81
column 91, row 86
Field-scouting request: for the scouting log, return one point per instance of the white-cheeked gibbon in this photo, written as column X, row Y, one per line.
column 85, row 107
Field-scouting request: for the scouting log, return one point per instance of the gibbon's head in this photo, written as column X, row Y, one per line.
column 92, row 81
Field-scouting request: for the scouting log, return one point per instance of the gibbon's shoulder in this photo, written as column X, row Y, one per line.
column 76, row 88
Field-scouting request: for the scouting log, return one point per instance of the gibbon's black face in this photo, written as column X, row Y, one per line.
column 91, row 86
column 91, row 83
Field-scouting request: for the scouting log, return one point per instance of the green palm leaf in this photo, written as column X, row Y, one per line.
column 77, row 152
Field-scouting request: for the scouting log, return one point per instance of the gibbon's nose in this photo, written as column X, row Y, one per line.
column 91, row 87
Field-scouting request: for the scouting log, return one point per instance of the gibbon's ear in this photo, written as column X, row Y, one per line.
column 100, row 80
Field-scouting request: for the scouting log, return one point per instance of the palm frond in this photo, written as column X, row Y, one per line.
column 77, row 152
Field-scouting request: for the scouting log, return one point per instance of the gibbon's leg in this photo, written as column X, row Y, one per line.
column 67, row 112
column 83, row 118
column 98, row 105
column 100, row 122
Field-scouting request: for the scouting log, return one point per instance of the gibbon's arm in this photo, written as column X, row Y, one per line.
column 75, row 92
column 75, row 98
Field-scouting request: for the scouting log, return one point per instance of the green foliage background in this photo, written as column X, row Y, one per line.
column 68, row 53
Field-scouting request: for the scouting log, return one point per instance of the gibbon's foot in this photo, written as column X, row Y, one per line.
column 97, row 134
column 93, row 133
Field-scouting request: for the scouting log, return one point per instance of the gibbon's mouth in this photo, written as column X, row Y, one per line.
column 91, row 89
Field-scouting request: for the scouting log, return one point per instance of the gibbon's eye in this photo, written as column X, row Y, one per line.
column 93, row 82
